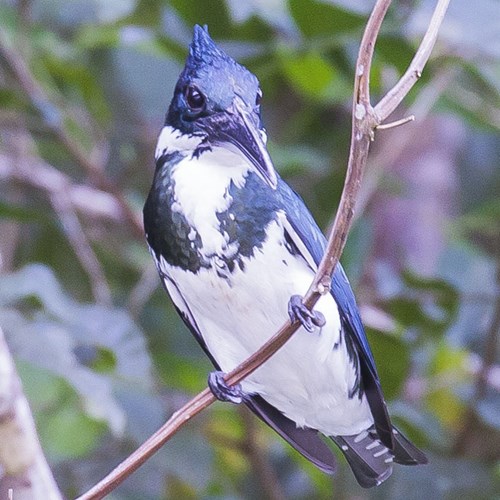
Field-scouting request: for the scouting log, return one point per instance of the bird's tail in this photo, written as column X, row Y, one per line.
column 371, row 461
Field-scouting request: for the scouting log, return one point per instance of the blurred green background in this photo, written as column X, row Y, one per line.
column 84, row 86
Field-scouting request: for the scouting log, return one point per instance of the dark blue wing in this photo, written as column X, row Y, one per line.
column 311, row 237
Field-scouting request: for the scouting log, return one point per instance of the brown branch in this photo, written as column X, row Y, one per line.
column 365, row 120
column 24, row 472
column 63, row 206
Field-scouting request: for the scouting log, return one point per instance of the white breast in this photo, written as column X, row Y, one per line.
column 308, row 379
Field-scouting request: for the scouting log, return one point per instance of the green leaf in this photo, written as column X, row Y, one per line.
column 214, row 13
column 309, row 72
column 91, row 36
column 446, row 406
column 42, row 388
column 313, row 76
column 105, row 361
column 482, row 226
column 64, row 428
column 427, row 303
column 449, row 361
column 51, row 337
column 69, row 433
column 445, row 294
column 11, row 99
column 315, row 18
column 447, row 370
column 147, row 13
column 23, row 214
column 71, row 76
column 395, row 50
column 393, row 361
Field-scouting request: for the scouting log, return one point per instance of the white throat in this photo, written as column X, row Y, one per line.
column 172, row 140
column 201, row 184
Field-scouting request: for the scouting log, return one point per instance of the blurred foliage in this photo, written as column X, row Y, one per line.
column 84, row 86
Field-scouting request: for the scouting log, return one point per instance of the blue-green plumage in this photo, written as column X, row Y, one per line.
column 168, row 232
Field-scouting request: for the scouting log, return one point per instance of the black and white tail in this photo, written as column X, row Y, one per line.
column 371, row 461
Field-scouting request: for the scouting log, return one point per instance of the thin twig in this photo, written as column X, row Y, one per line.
column 394, row 97
column 142, row 290
column 78, row 239
column 365, row 121
column 396, row 123
column 392, row 149
column 87, row 200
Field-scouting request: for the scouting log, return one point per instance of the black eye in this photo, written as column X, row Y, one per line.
column 194, row 98
column 258, row 98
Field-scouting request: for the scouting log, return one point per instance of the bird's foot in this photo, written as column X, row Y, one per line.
column 222, row 391
column 299, row 312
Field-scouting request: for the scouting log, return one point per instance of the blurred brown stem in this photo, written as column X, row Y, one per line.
column 260, row 465
column 464, row 436
column 54, row 119
column 24, row 165
column 365, row 119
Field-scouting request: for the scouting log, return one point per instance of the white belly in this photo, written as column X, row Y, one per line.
column 308, row 379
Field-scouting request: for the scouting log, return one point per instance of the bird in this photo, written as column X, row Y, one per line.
column 236, row 249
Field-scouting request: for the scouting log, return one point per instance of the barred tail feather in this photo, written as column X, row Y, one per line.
column 371, row 461
column 405, row 452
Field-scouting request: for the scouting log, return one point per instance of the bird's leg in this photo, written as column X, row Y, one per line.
column 222, row 391
column 299, row 312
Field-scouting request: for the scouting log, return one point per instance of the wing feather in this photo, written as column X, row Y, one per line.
column 311, row 242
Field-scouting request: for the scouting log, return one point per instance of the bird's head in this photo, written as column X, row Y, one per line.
column 219, row 100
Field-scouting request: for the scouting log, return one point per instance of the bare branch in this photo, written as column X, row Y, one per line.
column 24, row 472
column 78, row 239
column 394, row 97
column 365, row 120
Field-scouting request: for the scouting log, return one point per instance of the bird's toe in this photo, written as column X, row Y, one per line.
column 297, row 311
column 222, row 391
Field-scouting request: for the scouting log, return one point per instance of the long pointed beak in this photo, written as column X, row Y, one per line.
column 240, row 128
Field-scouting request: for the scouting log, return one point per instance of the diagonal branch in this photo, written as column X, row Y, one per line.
column 365, row 120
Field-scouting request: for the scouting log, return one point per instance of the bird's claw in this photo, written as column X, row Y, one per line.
column 299, row 312
column 222, row 391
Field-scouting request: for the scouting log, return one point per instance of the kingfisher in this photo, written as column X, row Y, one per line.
column 236, row 249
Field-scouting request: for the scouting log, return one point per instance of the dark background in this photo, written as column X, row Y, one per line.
column 84, row 86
